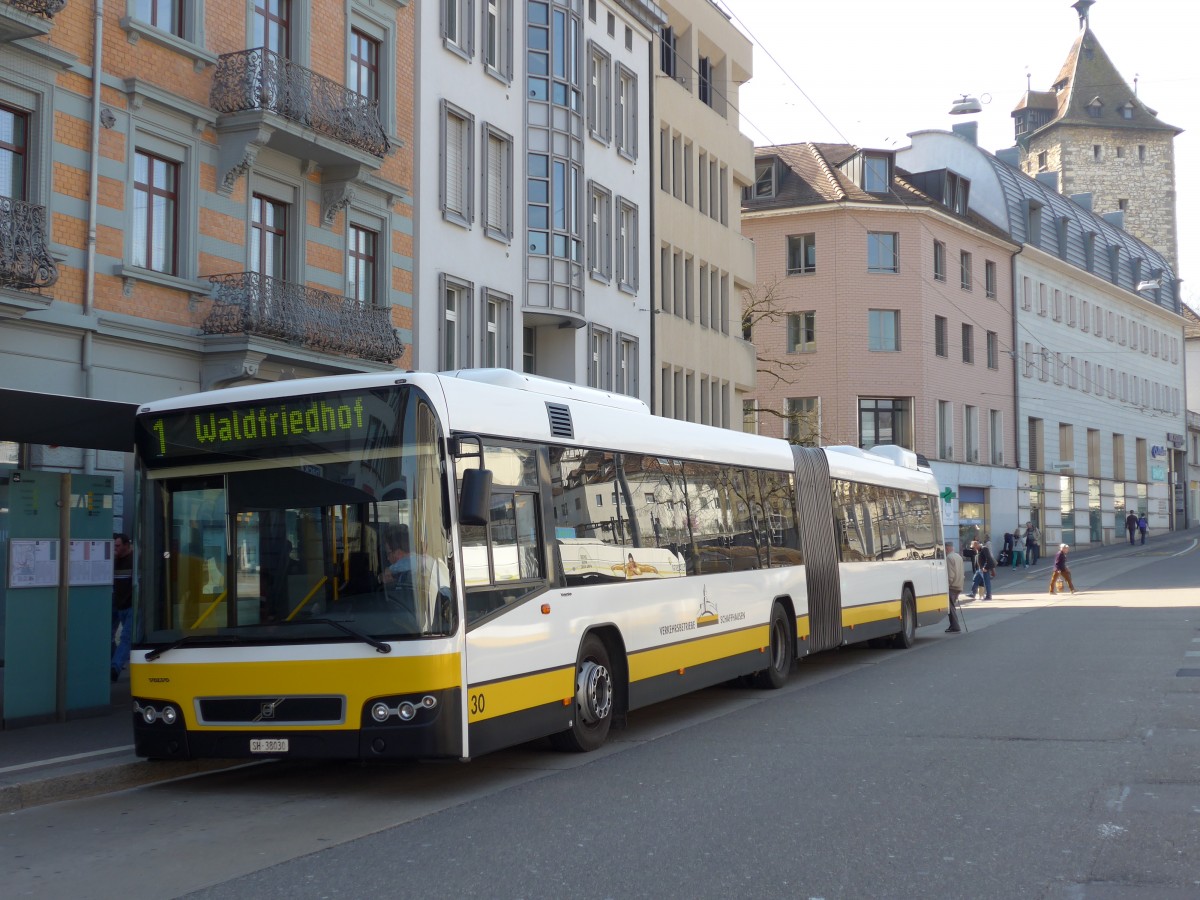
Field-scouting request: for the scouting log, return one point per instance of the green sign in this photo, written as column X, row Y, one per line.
column 295, row 424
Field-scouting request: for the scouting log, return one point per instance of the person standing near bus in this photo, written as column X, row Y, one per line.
column 1060, row 569
column 954, row 574
column 1131, row 524
column 122, row 603
column 985, row 566
column 1033, row 546
column 1018, row 553
column 1143, row 527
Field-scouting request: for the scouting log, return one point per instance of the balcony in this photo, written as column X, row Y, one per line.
column 261, row 306
column 24, row 260
column 267, row 100
column 27, row 18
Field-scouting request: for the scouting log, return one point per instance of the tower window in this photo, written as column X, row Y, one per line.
column 1097, row 153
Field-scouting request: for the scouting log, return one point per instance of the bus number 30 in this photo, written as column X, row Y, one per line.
column 477, row 704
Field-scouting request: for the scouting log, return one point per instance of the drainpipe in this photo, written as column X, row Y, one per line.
column 89, row 281
column 1016, row 354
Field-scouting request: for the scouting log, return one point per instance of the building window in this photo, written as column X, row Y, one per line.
column 627, row 365
column 958, row 192
column 627, row 112
column 14, row 137
column 599, row 103
column 971, row 434
column 964, row 270
column 939, row 336
column 882, row 251
column 497, row 38
column 496, row 349
column 764, row 179
column 704, row 85
column 996, row 436
column 457, row 34
column 364, row 65
column 802, row 332
column 1123, row 204
column 1042, row 163
column 455, row 339
column 801, row 254
column 804, row 421
column 600, row 232
column 883, row 326
column 1097, row 153
column 497, row 184
column 749, row 417
column 457, row 156
column 945, row 429
column 885, row 420
column 939, row 261
column 968, row 343
column 165, row 15
column 666, row 50
column 627, row 245
column 268, row 237
column 993, row 350
column 272, row 24
column 599, row 357
column 155, row 212
column 989, row 279
column 1141, row 152
column 361, row 265
column 875, row 174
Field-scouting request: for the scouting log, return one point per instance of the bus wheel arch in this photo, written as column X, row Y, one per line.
column 781, row 647
column 907, row 635
column 600, row 690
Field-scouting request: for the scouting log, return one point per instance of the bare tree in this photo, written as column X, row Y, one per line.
column 768, row 307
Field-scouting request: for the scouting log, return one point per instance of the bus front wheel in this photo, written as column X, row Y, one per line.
column 907, row 635
column 594, row 692
column 781, row 650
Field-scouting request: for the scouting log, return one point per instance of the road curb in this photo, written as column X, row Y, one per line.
column 126, row 773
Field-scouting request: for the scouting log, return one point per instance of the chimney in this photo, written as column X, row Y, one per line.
column 1115, row 218
column 1084, row 200
column 1010, row 156
column 968, row 131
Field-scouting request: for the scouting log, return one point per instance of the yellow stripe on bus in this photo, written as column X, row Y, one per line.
column 499, row 698
column 357, row 679
column 933, row 603
column 673, row 657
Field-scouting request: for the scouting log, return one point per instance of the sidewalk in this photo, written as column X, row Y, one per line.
column 87, row 756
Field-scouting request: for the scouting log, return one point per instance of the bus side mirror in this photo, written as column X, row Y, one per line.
column 475, row 497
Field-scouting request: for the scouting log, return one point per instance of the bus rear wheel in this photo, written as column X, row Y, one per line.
column 594, row 693
column 781, row 649
column 907, row 635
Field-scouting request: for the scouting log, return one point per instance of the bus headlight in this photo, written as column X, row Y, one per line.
column 149, row 714
column 406, row 711
column 168, row 715
column 380, row 711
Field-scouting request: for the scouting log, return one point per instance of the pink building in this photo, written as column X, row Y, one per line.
column 883, row 314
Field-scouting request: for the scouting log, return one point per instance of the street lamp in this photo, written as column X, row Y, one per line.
column 966, row 106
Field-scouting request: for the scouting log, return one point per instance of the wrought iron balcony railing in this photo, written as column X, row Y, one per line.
column 24, row 260
column 249, row 303
column 47, row 9
column 263, row 80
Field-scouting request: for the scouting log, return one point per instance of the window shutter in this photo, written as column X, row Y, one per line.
column 455, row 128
column 495, row 176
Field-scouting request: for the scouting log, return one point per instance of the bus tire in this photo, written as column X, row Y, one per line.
column 907, row 635
column 781, row 650
column 595, row 693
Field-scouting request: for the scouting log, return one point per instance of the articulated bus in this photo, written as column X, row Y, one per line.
column 415, row 565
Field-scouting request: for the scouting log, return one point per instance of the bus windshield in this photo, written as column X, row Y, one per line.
column 336, row 528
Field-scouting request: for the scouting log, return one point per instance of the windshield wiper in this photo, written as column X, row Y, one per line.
column 192, row 639
column 379, row 645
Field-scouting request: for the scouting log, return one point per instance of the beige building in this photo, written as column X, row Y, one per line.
column 703, row 265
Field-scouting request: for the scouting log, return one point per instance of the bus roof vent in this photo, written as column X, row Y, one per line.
column 560, row 420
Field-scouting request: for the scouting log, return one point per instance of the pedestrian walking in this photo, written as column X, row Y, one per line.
column 1061, row 571
column 985, row 568
column 954, row 575
column 1143, row 527
column 1131, row 524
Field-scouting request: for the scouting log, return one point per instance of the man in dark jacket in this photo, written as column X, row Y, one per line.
column 985, row 565
column 1131, row 524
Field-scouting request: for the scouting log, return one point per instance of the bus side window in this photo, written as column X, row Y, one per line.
column 503, row 560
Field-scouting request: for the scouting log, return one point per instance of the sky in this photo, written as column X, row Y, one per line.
column 871, row 72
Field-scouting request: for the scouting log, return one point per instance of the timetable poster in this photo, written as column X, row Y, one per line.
column 32, row 563
column 91, row 562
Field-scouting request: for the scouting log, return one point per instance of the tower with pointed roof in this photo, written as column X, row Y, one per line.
column 1107, row 148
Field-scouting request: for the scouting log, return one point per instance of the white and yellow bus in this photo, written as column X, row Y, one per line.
column 439, row 565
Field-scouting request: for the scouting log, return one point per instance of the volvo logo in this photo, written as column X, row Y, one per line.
column 267, row 709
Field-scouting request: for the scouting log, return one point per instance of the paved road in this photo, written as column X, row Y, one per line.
column 1052, row 752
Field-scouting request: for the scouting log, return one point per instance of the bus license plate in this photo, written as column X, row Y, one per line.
column 268, row 745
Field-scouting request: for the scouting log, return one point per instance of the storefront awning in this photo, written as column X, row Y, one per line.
column 30, row 418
